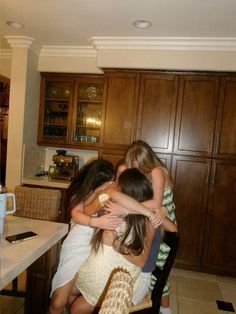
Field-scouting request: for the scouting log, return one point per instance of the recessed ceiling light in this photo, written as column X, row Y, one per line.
column 15, row 24
column 142, row 24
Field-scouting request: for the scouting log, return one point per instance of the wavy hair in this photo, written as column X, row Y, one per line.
column 90, row 176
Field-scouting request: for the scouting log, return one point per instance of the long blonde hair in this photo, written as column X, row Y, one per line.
column 145, row 156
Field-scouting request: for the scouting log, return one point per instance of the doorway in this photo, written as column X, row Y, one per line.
column 4, row 106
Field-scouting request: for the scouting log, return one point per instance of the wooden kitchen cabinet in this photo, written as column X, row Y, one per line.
column 112, row 155
column 157, row 108
column 87, row 111
column 220, row 237
column 56, row 101
column 138, row 106
column 119, row 109
column 189, row 119
column 190, row 178
column 70, row 110
column 196, row 115
column 225, row 134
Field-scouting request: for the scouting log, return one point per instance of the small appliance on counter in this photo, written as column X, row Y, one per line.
column 65, row 166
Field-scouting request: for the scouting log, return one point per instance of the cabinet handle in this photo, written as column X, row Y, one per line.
column 67, row 135
column 139, row 132
column 217, row 142
column 213, row 174
column 207, row 172
column 211, row 142
column 72, row 135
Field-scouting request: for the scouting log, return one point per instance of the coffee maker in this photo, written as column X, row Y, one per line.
column 65, row 166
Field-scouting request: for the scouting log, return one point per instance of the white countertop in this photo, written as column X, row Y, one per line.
column 44, row 181
column 15, row 258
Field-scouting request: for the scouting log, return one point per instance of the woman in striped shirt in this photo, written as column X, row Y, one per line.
column 141, row 156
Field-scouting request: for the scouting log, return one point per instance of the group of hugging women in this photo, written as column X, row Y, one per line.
column 116, row 222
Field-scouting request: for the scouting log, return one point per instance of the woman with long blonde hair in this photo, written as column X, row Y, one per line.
column 140, row 155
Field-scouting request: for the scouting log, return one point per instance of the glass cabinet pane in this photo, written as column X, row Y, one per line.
column 56, row 107
column 89, row 110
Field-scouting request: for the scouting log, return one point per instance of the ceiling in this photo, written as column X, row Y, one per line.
column 74, row 22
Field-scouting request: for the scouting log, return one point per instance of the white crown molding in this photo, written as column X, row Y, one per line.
column 23, row 42
column 165, row 43
column 5, row 53
column 19, row 41
column 68, row 51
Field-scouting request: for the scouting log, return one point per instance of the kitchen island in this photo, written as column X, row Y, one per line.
column 39, row 256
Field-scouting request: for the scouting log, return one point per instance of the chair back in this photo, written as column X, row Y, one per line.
column 37, row 203
column 172, row 240
column 119, row 293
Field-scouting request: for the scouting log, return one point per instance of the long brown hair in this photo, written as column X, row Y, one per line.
column 90, row 176
column 135, row 184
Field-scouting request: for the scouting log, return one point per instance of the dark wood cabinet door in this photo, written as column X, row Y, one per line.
column 220, row 237
column 225, row 143
column 166, row 159
column 190, row 176
column 196, row 115
column 112, row 155
column 157, row 107
column 119, row 109
column 70, row 110
column 56, row 102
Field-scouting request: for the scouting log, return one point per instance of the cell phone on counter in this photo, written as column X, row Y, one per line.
column 21, row 236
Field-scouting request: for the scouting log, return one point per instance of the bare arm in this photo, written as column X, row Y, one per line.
column 168, row 225
column 104, row 222
column 158, row 180
column 127, row 203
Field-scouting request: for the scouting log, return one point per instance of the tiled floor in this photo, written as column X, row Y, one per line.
column 196, row 293
column 12, row 305
column 191, row 293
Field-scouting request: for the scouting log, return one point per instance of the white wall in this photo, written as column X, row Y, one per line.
column 168, row 60
column 23, row 111
column 5, row 63
column 16, row 117
column 68, row 64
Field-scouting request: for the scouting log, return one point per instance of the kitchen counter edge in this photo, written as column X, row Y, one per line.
column 43, row 181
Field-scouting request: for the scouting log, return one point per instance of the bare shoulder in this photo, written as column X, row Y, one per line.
column 104, row 186
column 111, row 187
column 158, row 171
column 160, row 174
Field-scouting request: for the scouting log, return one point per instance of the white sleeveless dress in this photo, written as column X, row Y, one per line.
column 74, row 251
column 94, row 273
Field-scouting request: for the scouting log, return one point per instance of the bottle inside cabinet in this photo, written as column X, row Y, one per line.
column 89, row 107
column 57, row 98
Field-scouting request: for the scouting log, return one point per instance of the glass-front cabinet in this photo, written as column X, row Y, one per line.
column 70, row 110
column 88, row 110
